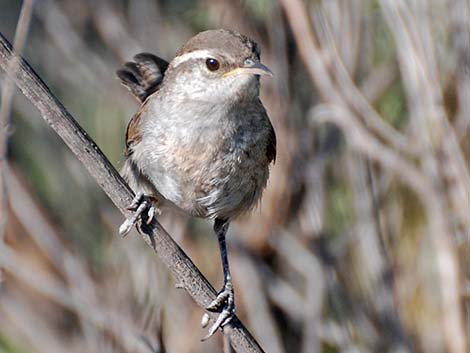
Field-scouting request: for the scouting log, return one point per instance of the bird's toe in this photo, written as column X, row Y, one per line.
column 223, row 303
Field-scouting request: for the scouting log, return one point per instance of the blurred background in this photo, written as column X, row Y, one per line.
column 362, row 240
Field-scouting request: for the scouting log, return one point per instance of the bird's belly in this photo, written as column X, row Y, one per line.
column 230, row 191
column 223, row 186
column 216, row 171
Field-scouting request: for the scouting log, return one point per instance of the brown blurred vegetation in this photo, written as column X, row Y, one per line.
column 362, row 240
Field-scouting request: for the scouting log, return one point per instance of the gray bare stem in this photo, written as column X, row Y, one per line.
column 5, row 109
column 186, row 274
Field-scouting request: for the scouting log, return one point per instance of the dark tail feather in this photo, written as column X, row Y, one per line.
column 143, row 76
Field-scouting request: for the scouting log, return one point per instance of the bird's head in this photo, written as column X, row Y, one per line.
column 217, row 65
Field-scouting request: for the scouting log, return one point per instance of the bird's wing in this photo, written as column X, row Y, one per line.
column 144, row 75
column 133, row 132
column 271, row 148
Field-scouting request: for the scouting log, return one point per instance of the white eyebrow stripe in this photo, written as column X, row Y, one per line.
column 197, row 54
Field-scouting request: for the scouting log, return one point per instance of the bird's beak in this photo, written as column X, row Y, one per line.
column 251, row 67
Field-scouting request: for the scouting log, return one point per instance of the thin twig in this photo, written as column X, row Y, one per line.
column 80, row 294
column 76, row 298
column 187, row 275
column 444, row 156
column 421, row 183
column 5, row 108
column 330, row 76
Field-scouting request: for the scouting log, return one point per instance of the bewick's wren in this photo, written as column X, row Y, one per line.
column 201, row 141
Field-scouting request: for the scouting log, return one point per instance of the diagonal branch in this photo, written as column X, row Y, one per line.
column 186, row 274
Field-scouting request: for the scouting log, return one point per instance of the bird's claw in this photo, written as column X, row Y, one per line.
column 225, row 301
column 150, row 214
column 139, row 204
column 126, row 227
column 136, row 201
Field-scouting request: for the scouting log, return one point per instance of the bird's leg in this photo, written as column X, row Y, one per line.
column 139, row 205
column 225, row 300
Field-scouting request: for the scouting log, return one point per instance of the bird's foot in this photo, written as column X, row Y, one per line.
column 140, row 204
column 224, row 303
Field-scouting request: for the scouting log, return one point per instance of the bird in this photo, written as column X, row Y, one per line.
column 201, row 141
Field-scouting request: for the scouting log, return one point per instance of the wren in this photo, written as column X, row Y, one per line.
column 201, row 141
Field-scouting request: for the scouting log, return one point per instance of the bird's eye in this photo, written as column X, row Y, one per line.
column 212, row 64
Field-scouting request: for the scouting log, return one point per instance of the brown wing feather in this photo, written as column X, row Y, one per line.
column 271, row 148
column 133, row 133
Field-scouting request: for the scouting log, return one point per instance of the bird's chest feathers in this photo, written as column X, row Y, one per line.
column 201, row 144
column 218, row 146
column 210, row 134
